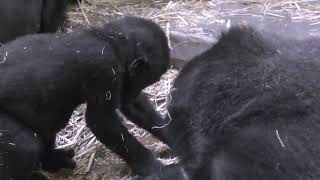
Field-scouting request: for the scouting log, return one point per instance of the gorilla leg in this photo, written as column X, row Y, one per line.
column 4, row 170
column 52, row 159
column 19, row 150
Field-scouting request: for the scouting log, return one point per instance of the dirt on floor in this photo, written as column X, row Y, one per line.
column 192, row 26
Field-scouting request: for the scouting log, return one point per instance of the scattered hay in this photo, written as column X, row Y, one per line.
column 91, row 154
column 188, row 15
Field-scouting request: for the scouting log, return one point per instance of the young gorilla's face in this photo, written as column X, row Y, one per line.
column 143, row 73
column 151, row 57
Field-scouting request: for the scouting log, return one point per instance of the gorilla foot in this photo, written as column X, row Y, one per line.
column 169, row 172
column 58, row 159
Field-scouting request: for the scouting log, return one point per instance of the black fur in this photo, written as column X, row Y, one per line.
column 19, row 148
column 247, row 109
column 46, row 76
column 18, row 17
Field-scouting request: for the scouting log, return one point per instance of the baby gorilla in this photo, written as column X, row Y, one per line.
column 46, row 76
column 246, row 109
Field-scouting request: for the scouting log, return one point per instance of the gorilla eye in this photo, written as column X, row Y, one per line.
column 149, row 49
column 144, row 47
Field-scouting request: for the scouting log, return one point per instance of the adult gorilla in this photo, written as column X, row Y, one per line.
column 246, row 109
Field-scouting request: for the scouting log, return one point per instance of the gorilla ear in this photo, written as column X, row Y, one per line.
column 141, row 62
column 138, row 65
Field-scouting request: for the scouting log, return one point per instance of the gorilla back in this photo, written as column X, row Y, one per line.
column 18, row 18
column 248, row 108
column 46, row 76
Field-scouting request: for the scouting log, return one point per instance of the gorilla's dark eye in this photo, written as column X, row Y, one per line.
column 149, row 49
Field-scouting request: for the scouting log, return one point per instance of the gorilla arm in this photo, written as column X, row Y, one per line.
column 103, row 98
